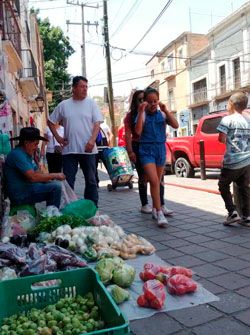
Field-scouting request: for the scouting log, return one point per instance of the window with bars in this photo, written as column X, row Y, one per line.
column 170, row 63
column 171, row 103
column 236, row 72
column 200, row 91
column 162, row 66
column 222, row 72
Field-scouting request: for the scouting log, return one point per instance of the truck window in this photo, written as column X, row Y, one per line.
column 209, row 126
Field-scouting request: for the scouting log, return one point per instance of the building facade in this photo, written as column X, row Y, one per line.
column 168, row 69
column 21, row 65
column 222, row 68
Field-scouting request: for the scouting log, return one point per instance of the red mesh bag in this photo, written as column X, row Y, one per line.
column 179, row 270
column 180, row 284
column 150, row 271
column 154, row 293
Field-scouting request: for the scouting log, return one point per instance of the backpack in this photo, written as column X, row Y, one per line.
column 101, row 139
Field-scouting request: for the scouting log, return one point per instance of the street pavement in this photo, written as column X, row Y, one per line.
column 197, row 239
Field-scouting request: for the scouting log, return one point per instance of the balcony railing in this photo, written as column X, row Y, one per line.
column 9, row 25
column 199, row 95
column 29, row 70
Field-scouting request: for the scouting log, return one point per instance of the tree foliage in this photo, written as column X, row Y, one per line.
column 57, row 50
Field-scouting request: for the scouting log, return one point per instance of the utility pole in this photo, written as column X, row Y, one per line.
column 109, row 73
column 190, row 19
column 83, row 55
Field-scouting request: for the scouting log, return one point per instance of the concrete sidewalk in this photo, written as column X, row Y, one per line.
column 196, row 238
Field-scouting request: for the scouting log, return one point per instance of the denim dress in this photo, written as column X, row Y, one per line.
column 152, row 147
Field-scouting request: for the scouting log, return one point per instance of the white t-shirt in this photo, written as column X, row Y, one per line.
column 78, row 118
column 52, row 141
column 105, row 129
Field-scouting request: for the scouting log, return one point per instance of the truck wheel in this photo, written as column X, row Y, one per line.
column 183, row 169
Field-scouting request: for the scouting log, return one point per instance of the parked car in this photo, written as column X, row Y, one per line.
column 183, row 153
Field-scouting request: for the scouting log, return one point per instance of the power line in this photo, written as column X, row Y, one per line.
column 153, row 24
column 128, row 15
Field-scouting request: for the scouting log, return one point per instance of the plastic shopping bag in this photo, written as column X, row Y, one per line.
column 68, row 195
column 180, row 284
column 154, row 295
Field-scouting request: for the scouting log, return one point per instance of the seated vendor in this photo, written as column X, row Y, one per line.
column 25, row 184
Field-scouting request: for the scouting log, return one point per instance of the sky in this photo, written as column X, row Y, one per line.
column 128, row 21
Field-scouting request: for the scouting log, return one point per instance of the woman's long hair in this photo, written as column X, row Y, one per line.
column 134, row 107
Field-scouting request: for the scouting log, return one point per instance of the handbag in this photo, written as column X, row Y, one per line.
column 57, row 149
column 101, row 139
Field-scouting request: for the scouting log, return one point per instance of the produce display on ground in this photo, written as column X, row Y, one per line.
column 61, row 242
column 114, row 270
column 36, row 260
column 177, row 279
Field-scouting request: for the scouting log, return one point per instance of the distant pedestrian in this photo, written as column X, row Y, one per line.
column 121, row 135
column 53, row 149
column 104, row 139
column 235, row 132
column 132, row 141
column 81, row 119
column 151, row 122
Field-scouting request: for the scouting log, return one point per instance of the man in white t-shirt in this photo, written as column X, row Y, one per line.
column 81, row 119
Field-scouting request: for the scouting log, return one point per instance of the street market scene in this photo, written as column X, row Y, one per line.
column 124, row 199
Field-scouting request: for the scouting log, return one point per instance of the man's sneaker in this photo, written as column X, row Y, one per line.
column 232, row 218
column 161, row 220
column 245, row 221
column 154, row 214
column 166, row 211
column 146, row 209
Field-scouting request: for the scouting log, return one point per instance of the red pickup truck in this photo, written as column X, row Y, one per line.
column 183, row 153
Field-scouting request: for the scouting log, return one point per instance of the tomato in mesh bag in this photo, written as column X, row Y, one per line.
column 151, row 267
column 154, row 292
column 179, row 270
column 149, row 272
column 180, row 284
column 147, row 275
column 142, row 301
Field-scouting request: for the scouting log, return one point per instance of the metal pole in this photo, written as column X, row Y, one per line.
column 83, row 44
column 83, row 55
column 202, row 160
column 109, row 73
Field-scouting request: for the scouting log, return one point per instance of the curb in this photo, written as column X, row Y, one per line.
column 194, row 188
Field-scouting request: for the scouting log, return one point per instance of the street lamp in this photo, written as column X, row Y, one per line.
column 40, row 103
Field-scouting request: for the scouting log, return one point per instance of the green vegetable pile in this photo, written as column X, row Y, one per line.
column 69, row 316
column 119, row 294
column 49, row 224
column 114, row 269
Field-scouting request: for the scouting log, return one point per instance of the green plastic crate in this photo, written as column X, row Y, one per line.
column 18, row 295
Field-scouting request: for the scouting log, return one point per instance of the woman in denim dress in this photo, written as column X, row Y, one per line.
column 151, row 127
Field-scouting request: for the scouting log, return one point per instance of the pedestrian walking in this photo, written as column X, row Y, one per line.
column 81, row 119
column 25, row 184
column 104, row 139
column 151, row 122
column 234, row 131
column 53, row 149
column 132, row 141
column 121, row 135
